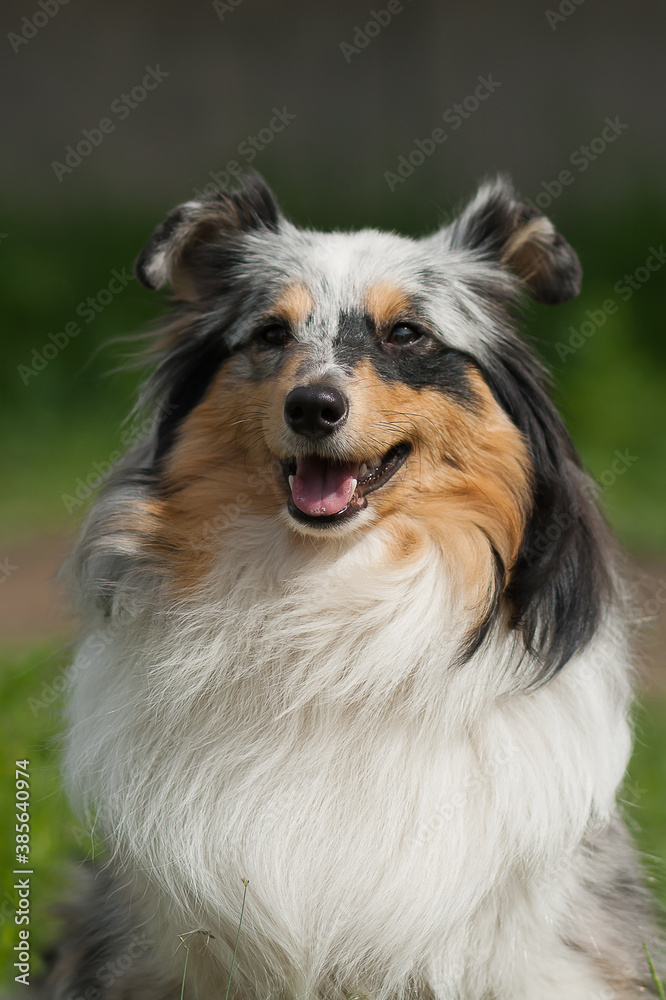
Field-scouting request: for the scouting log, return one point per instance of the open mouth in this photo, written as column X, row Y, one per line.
column 325, row 492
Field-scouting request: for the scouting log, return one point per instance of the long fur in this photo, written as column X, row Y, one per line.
column 407, row 733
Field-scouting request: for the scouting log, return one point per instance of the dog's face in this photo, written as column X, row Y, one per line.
column 351, row 389
column 327, row 384
column 350, row 366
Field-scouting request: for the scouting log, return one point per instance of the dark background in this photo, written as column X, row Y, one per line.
column 563, row 68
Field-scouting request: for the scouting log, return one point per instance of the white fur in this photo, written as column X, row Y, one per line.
column 300, row 722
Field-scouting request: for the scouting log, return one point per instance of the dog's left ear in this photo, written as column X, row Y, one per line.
column 194, row 244
column 521, row 239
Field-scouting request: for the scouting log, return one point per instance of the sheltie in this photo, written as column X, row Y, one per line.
column 355, row 648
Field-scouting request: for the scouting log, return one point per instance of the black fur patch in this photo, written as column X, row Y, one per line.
column 426, row 364
column 478, row 636
column 186, row 374
column 561, row 581
column 547, row 265
column 254, row 204
column 567, row 271
column 217, row 217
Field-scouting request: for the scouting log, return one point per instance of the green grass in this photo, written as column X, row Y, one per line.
column 46, row 462
column 645, row 790
column 31, row 680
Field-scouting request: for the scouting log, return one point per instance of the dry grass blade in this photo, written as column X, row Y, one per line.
column 187, row 955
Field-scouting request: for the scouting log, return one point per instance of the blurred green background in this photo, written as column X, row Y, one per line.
column 360, row 99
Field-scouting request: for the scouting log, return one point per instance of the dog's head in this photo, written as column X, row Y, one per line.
column 359, row 361
column 333, row 383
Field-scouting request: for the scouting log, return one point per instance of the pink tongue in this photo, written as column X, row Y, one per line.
column 320, row 487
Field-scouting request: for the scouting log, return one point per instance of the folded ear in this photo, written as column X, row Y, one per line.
column 189, row 249
column 521, row 239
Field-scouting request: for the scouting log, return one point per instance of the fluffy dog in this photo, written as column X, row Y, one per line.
column 354, row 634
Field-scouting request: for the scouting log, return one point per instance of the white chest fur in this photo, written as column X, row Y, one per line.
column 304, row 725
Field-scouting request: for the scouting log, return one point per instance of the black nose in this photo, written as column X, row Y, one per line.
column 315, row 410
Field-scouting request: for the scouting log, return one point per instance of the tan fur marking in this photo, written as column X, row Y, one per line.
column 524, row 253
column 294, row 304
column 466, row 483
column 386, row 303
column 221, row 471
column 465, row 486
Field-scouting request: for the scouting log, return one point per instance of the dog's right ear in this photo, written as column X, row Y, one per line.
column 519, row 238
column 190, row 248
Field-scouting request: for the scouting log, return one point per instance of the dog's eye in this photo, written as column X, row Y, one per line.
column 403, row 335
column 274, row 335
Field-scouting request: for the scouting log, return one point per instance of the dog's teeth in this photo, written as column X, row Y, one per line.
column 363, row 470
column 291, row 483
column 354, row 485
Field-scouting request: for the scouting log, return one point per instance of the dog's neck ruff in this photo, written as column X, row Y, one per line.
column 269, row 722
column 348, row 622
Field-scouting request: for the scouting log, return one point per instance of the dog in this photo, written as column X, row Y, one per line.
column 352, row 704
